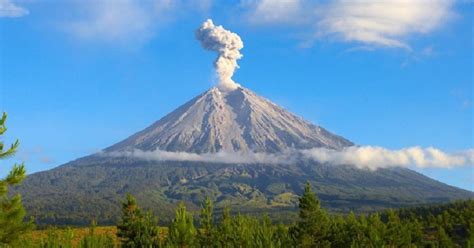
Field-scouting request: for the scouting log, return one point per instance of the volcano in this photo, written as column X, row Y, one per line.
column 235, row 121
column 238, row 120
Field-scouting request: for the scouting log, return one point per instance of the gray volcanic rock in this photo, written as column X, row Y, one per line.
column 238, row 120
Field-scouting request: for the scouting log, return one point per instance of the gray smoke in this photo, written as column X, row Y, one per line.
column 227, row 45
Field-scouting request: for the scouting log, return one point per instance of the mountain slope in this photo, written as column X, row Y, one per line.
column 235, row 121
column 239, row 121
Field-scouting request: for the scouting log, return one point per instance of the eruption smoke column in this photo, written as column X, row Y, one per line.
column 227, row 44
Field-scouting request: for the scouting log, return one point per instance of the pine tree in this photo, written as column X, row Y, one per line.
column 135, row 228
column 375, row 230
column 182, row 232
column 313, row 226
column 443, row 238
column 224, row 229
column 12, row 213
column 397, row 232
column 206, row 231
column 264, row 237
column 470, row 234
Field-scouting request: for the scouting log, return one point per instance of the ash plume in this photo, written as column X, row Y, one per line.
column 227, row 45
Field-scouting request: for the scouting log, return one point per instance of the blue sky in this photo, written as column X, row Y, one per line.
column 78, row 76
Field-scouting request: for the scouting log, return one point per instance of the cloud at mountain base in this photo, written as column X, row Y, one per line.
column 363, row 157
column 374, row 157
column 219, row 157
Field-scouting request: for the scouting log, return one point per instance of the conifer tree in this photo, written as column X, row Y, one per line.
column 312, row 228
column 443, row 238
column 264, row 236
column 135, row 228
column 375, row 230
column 206, row 231
column 224, row 230
column 182, row 232
column 397, row 233
column 12, row 213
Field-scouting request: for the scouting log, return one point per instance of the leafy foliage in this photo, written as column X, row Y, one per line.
column 12, row 213
column 137, row 229
column 412, row 227
column 182, row 232
column 316, row 228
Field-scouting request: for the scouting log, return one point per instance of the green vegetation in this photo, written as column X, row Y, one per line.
column 137, row 229
column 12, row 213
column 449, row 225
column 94, row 187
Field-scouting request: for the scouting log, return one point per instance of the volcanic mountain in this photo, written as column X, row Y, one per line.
column 237, row 121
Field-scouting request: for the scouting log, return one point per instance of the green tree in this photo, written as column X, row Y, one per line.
column 312, row 228
column 264, row 235
column 282, row 237
column 206, row 231
column 135, row 228
column 182, row 232
column 224, row 229
column 443, row 239
column 470, row 235
column 397, row 234
column 375, row 231
column 12, row 213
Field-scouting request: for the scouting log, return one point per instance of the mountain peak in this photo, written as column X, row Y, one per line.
column 230, row 120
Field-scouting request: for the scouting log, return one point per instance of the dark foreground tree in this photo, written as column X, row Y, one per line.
column 313, row 227
column 12, row 213
column 137, row 229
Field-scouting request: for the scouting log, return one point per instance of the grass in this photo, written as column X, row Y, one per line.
column 76, row 234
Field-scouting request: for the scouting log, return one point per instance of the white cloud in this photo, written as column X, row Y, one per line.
column 373, row 157
column 9, row 9
column 274, row 11
column 386, row 23
column 219, row 157
column 364, row 157
column 119, row 20
column 113, row 20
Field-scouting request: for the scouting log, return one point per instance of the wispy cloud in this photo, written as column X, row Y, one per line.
column 274, row 12
column 377, row 23
column 463, row 96
column 113, row 20
column 34, row 155
column 9, row 9
column 219, row 157
column 364, row 157
column 127, row 20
